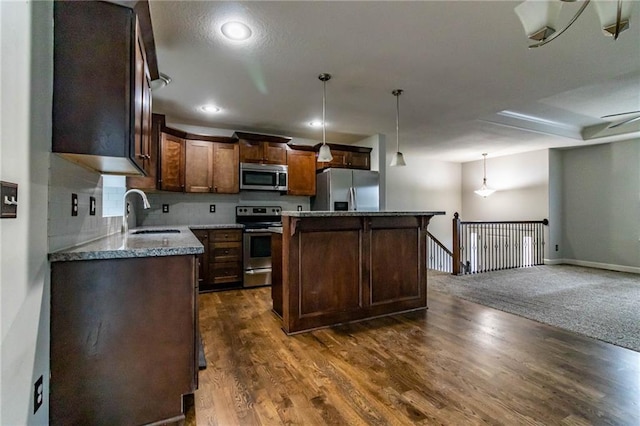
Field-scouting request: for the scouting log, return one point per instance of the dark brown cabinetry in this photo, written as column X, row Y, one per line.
column 264, row 149
column 123, row 340
column 302, row 172
column 348, row 157
column 192, row 165
column 221, row 264
column 102, row 102
column 149, row 182
column 171, row 174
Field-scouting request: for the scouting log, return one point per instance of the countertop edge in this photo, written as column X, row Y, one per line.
column 360, row 213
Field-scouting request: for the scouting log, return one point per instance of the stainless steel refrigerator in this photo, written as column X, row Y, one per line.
column 347, row 189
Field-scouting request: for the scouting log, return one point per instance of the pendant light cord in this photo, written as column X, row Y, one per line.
column 484, row 179
column 324, row 101
column 397, row 94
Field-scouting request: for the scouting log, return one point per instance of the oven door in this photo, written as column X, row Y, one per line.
column 257, row 258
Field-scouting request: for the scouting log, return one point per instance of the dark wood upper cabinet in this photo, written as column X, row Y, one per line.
column 172, row 153
column 226, row 168
column 101, row 92
column 198, row 172
column 302, row 172
column 149, row 182
column 347, row 156
column 263, row 149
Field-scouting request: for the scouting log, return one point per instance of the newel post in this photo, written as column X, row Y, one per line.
column 456, row 244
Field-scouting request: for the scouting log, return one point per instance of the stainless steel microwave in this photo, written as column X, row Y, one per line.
column 264, row 177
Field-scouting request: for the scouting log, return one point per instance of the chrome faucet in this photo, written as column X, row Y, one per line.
column 145, row 202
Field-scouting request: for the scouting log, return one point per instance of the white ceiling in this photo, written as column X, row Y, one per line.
column 460, row 63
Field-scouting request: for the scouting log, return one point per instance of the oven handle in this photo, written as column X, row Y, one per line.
column 257, row 231
column 257, row 271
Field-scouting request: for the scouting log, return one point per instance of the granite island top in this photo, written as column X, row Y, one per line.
column 360, row 213
column 119, row 246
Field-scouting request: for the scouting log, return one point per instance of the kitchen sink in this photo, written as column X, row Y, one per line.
column 157, row 231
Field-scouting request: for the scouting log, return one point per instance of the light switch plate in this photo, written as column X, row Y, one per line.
column 9, row 200
column 92, row 206
column 212, row 208
column 165, row 208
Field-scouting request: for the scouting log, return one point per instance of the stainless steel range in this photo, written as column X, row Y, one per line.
column 257, row 242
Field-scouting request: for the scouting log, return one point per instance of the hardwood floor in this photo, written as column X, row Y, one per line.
column 457, row 363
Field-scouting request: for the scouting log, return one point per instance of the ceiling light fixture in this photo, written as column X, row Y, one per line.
column 211, row 109
column 484, row 190
column 315, row 123
column 324, row 155
column 160, row 82
column 235, row 31
column 398, row 158
column 539, row 18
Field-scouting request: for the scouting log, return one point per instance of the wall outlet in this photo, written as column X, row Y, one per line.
column 165, row 208
column 212, row 208
column 556, row 247
column 8, row 200
column 74, row 204
column 38, row 394
column 299, row 208
column 92, row 206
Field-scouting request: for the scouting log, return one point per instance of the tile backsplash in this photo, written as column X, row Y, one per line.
column 193, row 209
column 65, row 230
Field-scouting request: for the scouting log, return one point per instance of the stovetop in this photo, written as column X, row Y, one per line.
column 259, row 217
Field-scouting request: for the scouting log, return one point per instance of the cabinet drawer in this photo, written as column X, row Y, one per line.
column 226, row 252
column 225, row 272
column 226, row 235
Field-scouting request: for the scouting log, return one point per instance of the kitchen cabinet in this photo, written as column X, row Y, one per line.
column 221, row 265
column 302, row 172
column 123, row 340
column 348, row 157
column 262, row 149
column 203, row 259
column 102, row 102
column 171, row 163
column 198, row 172
column 149, row 182
column 226, row 168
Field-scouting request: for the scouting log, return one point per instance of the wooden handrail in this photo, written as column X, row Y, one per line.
column 437, row 241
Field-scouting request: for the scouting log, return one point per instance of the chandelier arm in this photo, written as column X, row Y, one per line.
column 575, row 17
column 618, row 19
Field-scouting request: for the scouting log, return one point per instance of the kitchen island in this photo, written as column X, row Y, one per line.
column 336, row 267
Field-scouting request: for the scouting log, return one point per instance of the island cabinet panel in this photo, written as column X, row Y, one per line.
column 342, row 268
column 334, row 290
column 123, row 340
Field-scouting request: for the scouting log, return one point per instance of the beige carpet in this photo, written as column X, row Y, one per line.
column 597, row 303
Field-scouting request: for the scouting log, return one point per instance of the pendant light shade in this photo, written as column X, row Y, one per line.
column 324, row 155
column 484, row 190
column 398, row 158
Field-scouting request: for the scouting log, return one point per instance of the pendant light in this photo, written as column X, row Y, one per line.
column 484, row 190
column 324, row 155
column 398, row 158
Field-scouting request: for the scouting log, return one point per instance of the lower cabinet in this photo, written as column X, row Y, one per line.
column 123, row 340
column 221, row 262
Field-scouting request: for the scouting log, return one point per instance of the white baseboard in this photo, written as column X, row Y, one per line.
column 597, row 265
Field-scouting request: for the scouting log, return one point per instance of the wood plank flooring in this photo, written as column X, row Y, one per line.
column 458, row 363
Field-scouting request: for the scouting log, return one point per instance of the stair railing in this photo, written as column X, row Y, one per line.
column 490, row 246
column 439, row 257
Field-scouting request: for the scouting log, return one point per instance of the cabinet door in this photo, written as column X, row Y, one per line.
column 138, row 100
column 171, row 163
column 250, row 151
column 150, row 181
column 203, row 259
column 198, row 174
column 359, row 160
column 226, row 164
column 147, row 138
column 302, row 172
column 339, row 160
column 275, row 153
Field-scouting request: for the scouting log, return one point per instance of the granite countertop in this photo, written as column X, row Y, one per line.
column 119, row 246
column 360, row 213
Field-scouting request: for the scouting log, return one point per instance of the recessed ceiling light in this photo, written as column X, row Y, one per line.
column 236, row 31
column 316, row 123
column 212, row 109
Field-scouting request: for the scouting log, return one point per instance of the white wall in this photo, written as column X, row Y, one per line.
column 425, row 184
column 521, row 182
column 25, row 138
column 601, row 205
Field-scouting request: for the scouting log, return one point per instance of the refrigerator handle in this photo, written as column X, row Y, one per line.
column 352, row 199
